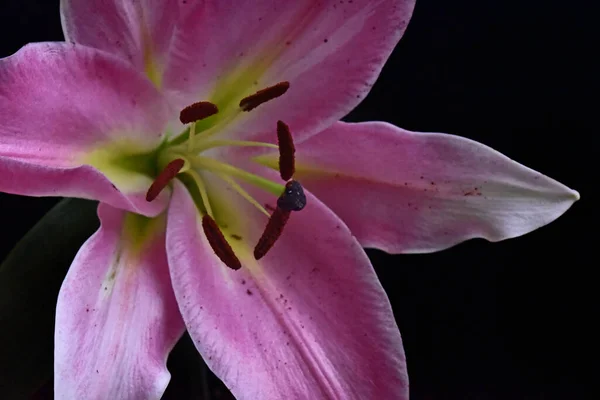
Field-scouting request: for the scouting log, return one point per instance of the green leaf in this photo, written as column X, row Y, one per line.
column 30, row 278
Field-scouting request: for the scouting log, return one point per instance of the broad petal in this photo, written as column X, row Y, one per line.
column 411, row 192
column 226, row 50
column 116, row 317
column 137, row 31
column 309, row 321
column 75, row 121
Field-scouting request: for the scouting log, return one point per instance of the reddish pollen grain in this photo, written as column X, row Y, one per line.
column 219, row 244
column 262, row 96
column 287, row 163
column 272, row 232
column 197, row 111
column 163, row 179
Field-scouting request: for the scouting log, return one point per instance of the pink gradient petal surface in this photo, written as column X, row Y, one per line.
column 60, row 102
column 116, row 317
column 309, row 321
column 137, row 31
column 408, row 192
column 333, row 48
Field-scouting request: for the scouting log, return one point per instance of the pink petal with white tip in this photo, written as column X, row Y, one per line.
column 412, row 192
column 71, row 120
column 308, row 321
column 116, row 317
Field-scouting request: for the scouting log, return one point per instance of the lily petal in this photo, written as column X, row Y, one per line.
column 413, row 192
column 137, row 31
column 78, row 122
column 116, row 317
column 308, row 321
column 224, row 51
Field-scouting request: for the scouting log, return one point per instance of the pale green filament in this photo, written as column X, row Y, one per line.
column 165, row 158
column 243, row 193
column 202, row 188
column 205, row 145
column 218, row 166
column 193, row 161
column 191, row 139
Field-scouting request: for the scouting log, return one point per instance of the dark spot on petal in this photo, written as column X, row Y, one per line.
column 249, row 292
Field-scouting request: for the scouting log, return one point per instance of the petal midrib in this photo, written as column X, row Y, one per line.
column 310, row 359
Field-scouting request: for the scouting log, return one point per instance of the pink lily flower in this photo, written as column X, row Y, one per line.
column 166, row 111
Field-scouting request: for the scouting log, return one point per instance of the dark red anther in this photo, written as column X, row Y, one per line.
column 287, row 150
column 163, row 179
column 197, row 111
column 272, row 232
column 219, row 244
column 262, row 96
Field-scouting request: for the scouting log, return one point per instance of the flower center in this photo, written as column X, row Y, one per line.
column 185, row 161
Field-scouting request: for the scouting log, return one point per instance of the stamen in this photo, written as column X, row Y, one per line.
column 197, row 111
column 272, row 232
column 262, row 96
column 287, row 164
column 163, row 179
column 243, row 193
column 190, row 146
column 202, row 189
column 205, row 145
column 219, row 244
column 293, row 197
column 218, row 166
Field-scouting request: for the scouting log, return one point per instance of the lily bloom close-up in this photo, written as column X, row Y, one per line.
column 234, row 204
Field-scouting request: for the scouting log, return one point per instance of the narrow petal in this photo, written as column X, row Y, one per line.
column 137, row 31
column 410, row 192
column 224, row 51
column 116, row 317
column 308, row 321
column 78, row 122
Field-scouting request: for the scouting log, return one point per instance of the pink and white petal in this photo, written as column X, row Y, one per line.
column 19, row 177
column 116, row 317
column 308, row 321
column 137, row 31
column 225, row 50
column 413, row 192
column 65, row 106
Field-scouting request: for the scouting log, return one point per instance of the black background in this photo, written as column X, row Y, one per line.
column 509, row 320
